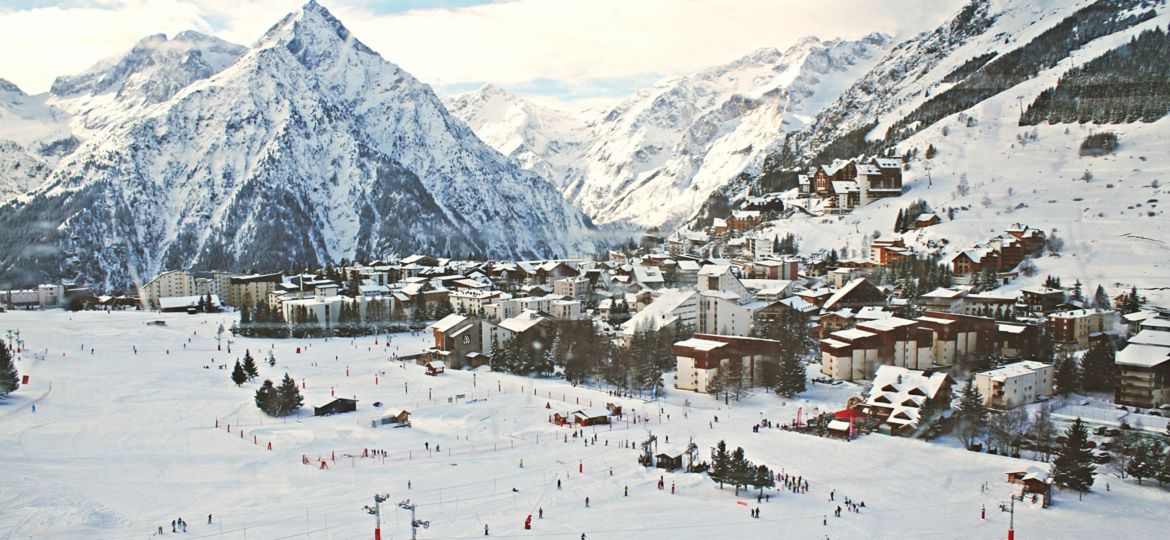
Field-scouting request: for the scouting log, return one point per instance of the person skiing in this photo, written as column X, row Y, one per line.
column 540, row 513
column 173, row 522
column 485, row 529
column 627, row 491
column 586, row 502
column 209, row 519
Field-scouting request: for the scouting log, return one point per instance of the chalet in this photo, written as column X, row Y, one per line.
column 668, row 459
column 742, row 220
column 1039, row 299
column 719, row 226
column 550, row 272
column 1032, row 239
column 1033, row 479
column 926, row 220
column 956, row 337
column 857, row 293
column 399, row 419
column 898, row 396
column 943, row 299
column 457, row 337
column 435, row 367
column 582, row 417
column 337, row 406
column 771, row 202
column 974, row 260
column 700, row 358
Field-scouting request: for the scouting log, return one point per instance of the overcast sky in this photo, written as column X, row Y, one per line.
column 574, row 52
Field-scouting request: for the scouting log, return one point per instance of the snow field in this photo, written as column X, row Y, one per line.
column 123, row 443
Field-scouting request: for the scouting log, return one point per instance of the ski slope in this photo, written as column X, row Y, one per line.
column 123, row 442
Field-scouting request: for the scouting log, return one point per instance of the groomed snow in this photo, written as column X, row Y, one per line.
column 122, row 443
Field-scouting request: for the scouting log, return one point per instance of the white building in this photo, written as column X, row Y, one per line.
column 669, row 306
column 42, row 296
column 566, row 310
column 1015, row 384
column 472, row 301
column 173, row 283
column 577, row 287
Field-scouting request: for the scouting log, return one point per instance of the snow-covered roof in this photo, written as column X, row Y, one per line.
column 904, row 391
column 886, row 324
column 843, row 292
column 446, row 323
column 701, row 344
column 1011, row 328
column 522, row 322
column 1151, row 337
column 1140, row 355
column 944, row 294
column 660, row 312
column 714, row 270
column 845, row 186
column 688, row 266
column 1023, row 367
column 852, row 334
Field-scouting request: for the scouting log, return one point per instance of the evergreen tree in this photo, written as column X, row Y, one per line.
column 1073, row 466
column 267, row 398
column 1146, row 460
column 763, row 478
column 1101, row 299
column 970, row 413
column 9, row 378
column 289, row 396
column 1163, row 474
column 740, row 471
column 791, row 378
column 1078, row 293
column 419, row 315
column 1044, row 433
column 1132, row 303
column 899, row 222
column 239, row 376
column 1067, row 376
column 250, row 366
column 1052, row 282
column 1098, row 371
column 442, row 309
column 720, row 464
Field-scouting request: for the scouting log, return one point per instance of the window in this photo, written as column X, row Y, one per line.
column 466, row 340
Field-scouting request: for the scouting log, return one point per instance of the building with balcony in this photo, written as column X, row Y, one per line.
column 1015, row 384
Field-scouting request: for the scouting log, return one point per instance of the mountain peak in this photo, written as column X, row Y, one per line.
column 312, row 34
column 9, row 87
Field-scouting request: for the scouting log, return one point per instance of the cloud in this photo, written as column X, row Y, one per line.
column 585, row 49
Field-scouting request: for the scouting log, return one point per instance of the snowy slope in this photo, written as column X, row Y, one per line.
column 657, row 156
column 309, row 148
column 1114, row 225
column 153, row 71
column 115, row 451
column 32, row 135
column 546, row 141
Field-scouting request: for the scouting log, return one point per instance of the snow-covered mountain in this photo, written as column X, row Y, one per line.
column 308, row 148
column 547, row 141
column 654, row 158
column 153, row 71
column 988, row 171
column 32, row 136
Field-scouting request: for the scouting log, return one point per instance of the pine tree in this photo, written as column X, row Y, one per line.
column 1073, row 466
column 740, row 470
column 1067, row 376
column 1098, row 371
column 1146, row 460
column 289, row 396
column 792, row 377
column 442, row 309
column 9, row 378
column 250, row 366
column 268, row 399
column 239, row 376
column 763, row 478
column 971, row 414
column 1078, row 293
column 720, row 464
column 1101, row 299
column 1164, row 470
column 899, row 222
column 1133, row 302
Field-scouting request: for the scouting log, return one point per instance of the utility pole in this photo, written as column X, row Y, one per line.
column 414, row 523
column 1012, row 521
column 376, row 511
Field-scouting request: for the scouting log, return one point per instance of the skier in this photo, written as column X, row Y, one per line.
column 558, row 483
column 586, row 502
column 627, row 492
column 173, row 523
column 540, row 513
column 209, row 519
column 485, row 529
